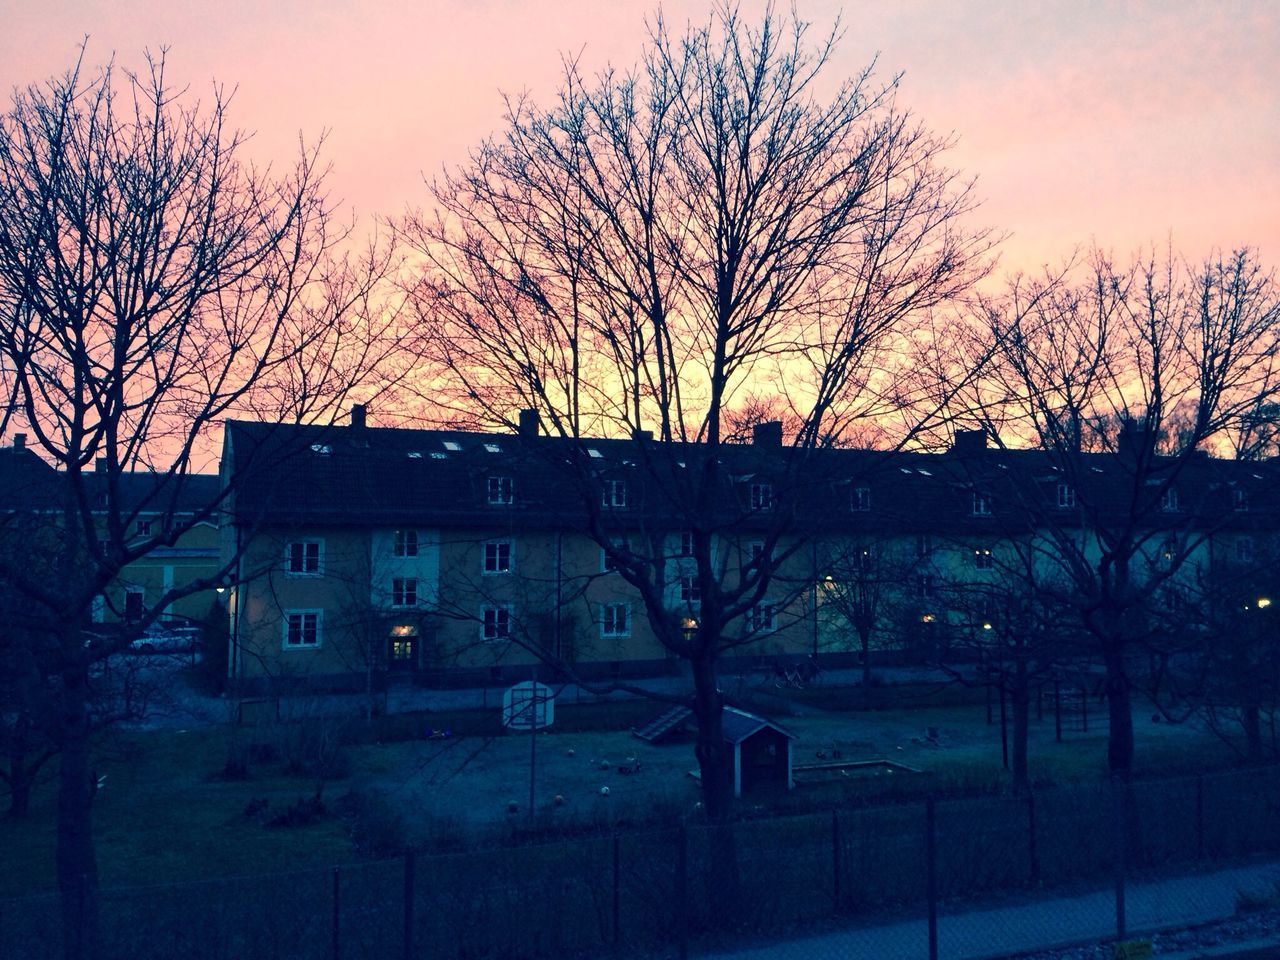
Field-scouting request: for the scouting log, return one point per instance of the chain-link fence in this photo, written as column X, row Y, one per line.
column 670, row 891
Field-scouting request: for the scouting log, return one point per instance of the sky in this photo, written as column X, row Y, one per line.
column 1122, row 124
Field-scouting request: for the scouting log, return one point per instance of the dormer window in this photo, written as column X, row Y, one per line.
column 501, row 491
column 861, row 501
column 493, row 448
column 452, row 445
column 1066, row 496
column 614, row 494
column 323, row 449
column 1169, row 500
column 761, row 496
column 981, row 504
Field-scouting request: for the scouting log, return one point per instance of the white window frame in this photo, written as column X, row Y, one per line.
column 761, row 496
column 301, row 615
column 492, row 628
column 402, row 590
column 690, row 593
column 615, row 620
column 501, row 491
column 405, row 543
column 860, row 501
column 304, row 572
column 613, row 495
column 619, row 543
column 981, row 503
column 492, row 557
column 686, row 543
column 1169, row 500
column 763, row 618
column 1066, row 496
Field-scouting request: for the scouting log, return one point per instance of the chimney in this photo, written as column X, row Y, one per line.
column 529, row 423
column 638, row 434
column 767, row 434
column 969, row 443
column 358, row 412
column 19, row 441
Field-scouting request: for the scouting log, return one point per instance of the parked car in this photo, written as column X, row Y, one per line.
column 168, row 636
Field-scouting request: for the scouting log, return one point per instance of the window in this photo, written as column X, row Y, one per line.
column 607, row 563
column 981, row 504
column 690, row 592
column 1244, row 550
column 133, row 600
column 686, row 543
column 1169, row 501
column 615, row 620
column 143, row 528
column 301, row 629
column 982, row 559
column 1168, row 553
column 495, row 623
column 762, row 496
column 452, row 445
column 1066, row 496
column 493, row 448
column 501, row 491
column 924, row 546
column 303, row 558
column 762, row 618
column 404, row 592
column 1240, row 500
column 924, row 587
column 614, row 494
column 497, row 556
column 755, row 551
column 861, row 502
column 406, row 544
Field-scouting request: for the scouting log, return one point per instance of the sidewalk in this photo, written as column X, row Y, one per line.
column 1042, row 925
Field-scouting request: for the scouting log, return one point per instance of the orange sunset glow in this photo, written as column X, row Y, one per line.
column 1125, row 124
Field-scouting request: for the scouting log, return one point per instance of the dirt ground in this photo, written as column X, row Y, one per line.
column 581, row 777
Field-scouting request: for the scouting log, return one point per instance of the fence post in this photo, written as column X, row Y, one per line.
column 1033, row 853
column 1119, row 842
column 1057, row 710
column 931, row 873
column 409, row 873
column 682, row 890
column 1200, row 818
column 617, row 890
column 835, row 858
column 337, row 943
column 1004, row 730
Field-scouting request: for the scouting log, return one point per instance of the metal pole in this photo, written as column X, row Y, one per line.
column 682, row 890
column 931, row 870
column 1033, row 852
column 1004, row 731
column 835, row 857
column 337, row 913
column 1057, row 710
column 617, row 890
column 1120, row 842
column 408, row 904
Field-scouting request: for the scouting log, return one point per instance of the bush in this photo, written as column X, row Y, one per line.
column 377, row 826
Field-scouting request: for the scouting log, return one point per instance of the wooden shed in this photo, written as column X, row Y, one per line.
column 761, row 751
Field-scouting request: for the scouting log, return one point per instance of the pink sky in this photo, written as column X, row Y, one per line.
column 1127, row 123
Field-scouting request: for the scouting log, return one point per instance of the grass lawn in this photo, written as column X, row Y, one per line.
column 166, row 812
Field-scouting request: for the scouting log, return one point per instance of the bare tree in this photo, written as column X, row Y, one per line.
column 1155, row 364
column 152, row 282
column 658, row 243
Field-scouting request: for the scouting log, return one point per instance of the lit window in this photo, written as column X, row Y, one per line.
column 861, row 502
column 406, row 543
column 614, row 494
column 615, row 620
column 982, row 559
column 762, row 618
column 303, row 558
column 495, row 623
column 404, row 592
column 501, row 490
column 1066, row 496
column 1169, row 500
column 301, row 629
column 981, row 504
column 690, row 592
column 762, row 496
column 497, row 556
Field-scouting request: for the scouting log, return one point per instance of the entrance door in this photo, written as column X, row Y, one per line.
column 402, row 654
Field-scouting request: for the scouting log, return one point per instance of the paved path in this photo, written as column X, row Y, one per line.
column 1040, row 925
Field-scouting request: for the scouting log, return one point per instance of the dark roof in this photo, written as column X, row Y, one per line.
column 26, row 481
column 738, row 725
column 375, row 475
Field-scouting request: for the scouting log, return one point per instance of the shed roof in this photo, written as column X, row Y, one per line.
column 738, row 725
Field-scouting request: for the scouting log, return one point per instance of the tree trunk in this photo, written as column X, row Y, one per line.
column 1251, row 721
column 1021, row 701
column 864, row 637
column 76, row 863
column 1120, row 714
column 19, row 787
column 714, row 757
